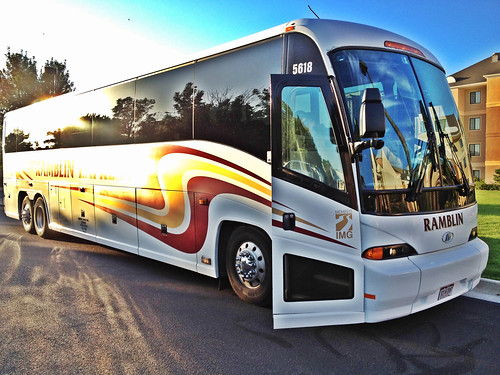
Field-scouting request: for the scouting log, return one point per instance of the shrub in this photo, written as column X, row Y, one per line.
column 481, row 185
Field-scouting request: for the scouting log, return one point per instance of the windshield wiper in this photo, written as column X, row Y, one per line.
column 418, row 172
column 464, row 185
column 364, row 70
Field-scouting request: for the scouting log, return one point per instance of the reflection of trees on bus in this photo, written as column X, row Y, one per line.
column 17, row 141
column 240, row 120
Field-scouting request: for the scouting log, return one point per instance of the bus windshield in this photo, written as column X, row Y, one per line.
column 424, row 143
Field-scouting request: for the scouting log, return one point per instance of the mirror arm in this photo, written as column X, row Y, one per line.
column 358, row 147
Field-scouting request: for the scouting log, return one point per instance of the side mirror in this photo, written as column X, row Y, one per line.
column 372, row 115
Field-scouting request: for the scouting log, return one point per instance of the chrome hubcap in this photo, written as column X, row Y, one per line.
column 26, row 215
column 250, row 264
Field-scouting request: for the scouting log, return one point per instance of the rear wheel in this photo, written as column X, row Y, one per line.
column 248, row 265
column 40, row 218
column 27, row 215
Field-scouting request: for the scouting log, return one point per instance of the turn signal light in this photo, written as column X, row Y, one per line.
column 389, row 252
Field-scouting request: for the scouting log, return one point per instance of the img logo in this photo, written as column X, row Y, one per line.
column 343, row 224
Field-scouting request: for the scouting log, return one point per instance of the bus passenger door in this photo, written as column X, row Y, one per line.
column 318, row 273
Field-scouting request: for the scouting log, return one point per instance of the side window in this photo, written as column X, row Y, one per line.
column 163, row 109
column 30, row 128
column 113, row 115
column 71, row 124
column 16, row 133
column 309, row 147
column 231, row 100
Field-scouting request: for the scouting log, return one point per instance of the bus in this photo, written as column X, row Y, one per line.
column 321, row 166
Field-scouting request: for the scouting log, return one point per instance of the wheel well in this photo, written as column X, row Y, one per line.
column 226, row 229
column 20, row 199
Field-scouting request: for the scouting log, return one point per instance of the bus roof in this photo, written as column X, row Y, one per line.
column 328, row 34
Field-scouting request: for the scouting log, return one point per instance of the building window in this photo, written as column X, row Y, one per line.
column 476, row 173
column 475, row 123
column 475, row 97
column 474, row 149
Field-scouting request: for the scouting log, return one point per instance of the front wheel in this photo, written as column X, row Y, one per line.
column 248, row 265
column 27, row 215
column 40, row 218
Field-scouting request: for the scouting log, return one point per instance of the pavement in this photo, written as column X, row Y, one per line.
column 487, row 290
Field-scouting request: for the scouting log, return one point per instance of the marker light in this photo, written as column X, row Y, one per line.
column 403, row 47
column 473, row 234
column 289, row 28
column 389, row 252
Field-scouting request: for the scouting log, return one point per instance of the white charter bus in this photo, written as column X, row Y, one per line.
column 319, row 165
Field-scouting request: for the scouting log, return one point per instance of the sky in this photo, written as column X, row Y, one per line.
column 106, row 41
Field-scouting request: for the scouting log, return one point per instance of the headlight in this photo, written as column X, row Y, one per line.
column 389, row 252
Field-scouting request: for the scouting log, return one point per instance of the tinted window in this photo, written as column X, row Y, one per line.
column 17, row 134
column 113, row 115
column 30, row 128
column 232, row 97
column 309, row 147
column 71, row 124
column 164, row 106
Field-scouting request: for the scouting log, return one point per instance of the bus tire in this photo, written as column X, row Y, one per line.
column 27, row 215
column 248, row 265
column 40, row 218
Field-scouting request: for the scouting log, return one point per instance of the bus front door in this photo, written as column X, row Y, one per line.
column 317, row 269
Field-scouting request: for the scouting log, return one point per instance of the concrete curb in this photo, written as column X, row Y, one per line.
column 487, row 290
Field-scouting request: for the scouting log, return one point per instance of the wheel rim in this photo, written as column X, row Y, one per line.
column 250, row 265
column 26, row 215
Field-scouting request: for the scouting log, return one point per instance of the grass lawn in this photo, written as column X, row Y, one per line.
column 489, row 229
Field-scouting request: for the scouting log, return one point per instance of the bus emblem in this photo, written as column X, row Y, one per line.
column 343, row 224
column 447, row 237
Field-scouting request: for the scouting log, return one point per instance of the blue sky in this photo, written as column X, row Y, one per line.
column 105, row 41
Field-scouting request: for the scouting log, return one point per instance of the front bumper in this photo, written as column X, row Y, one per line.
column 399, row 287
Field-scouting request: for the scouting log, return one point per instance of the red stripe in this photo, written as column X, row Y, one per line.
column 171, row 149
column 191, row 240
column 309, row 233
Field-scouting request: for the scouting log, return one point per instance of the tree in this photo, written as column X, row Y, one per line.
column 496, row 176
column 21, row 84
column 54, row 80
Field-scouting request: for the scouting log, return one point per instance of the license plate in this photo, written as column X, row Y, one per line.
column 445, row 291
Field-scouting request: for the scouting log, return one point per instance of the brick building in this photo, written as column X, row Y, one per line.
column 476, row 90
